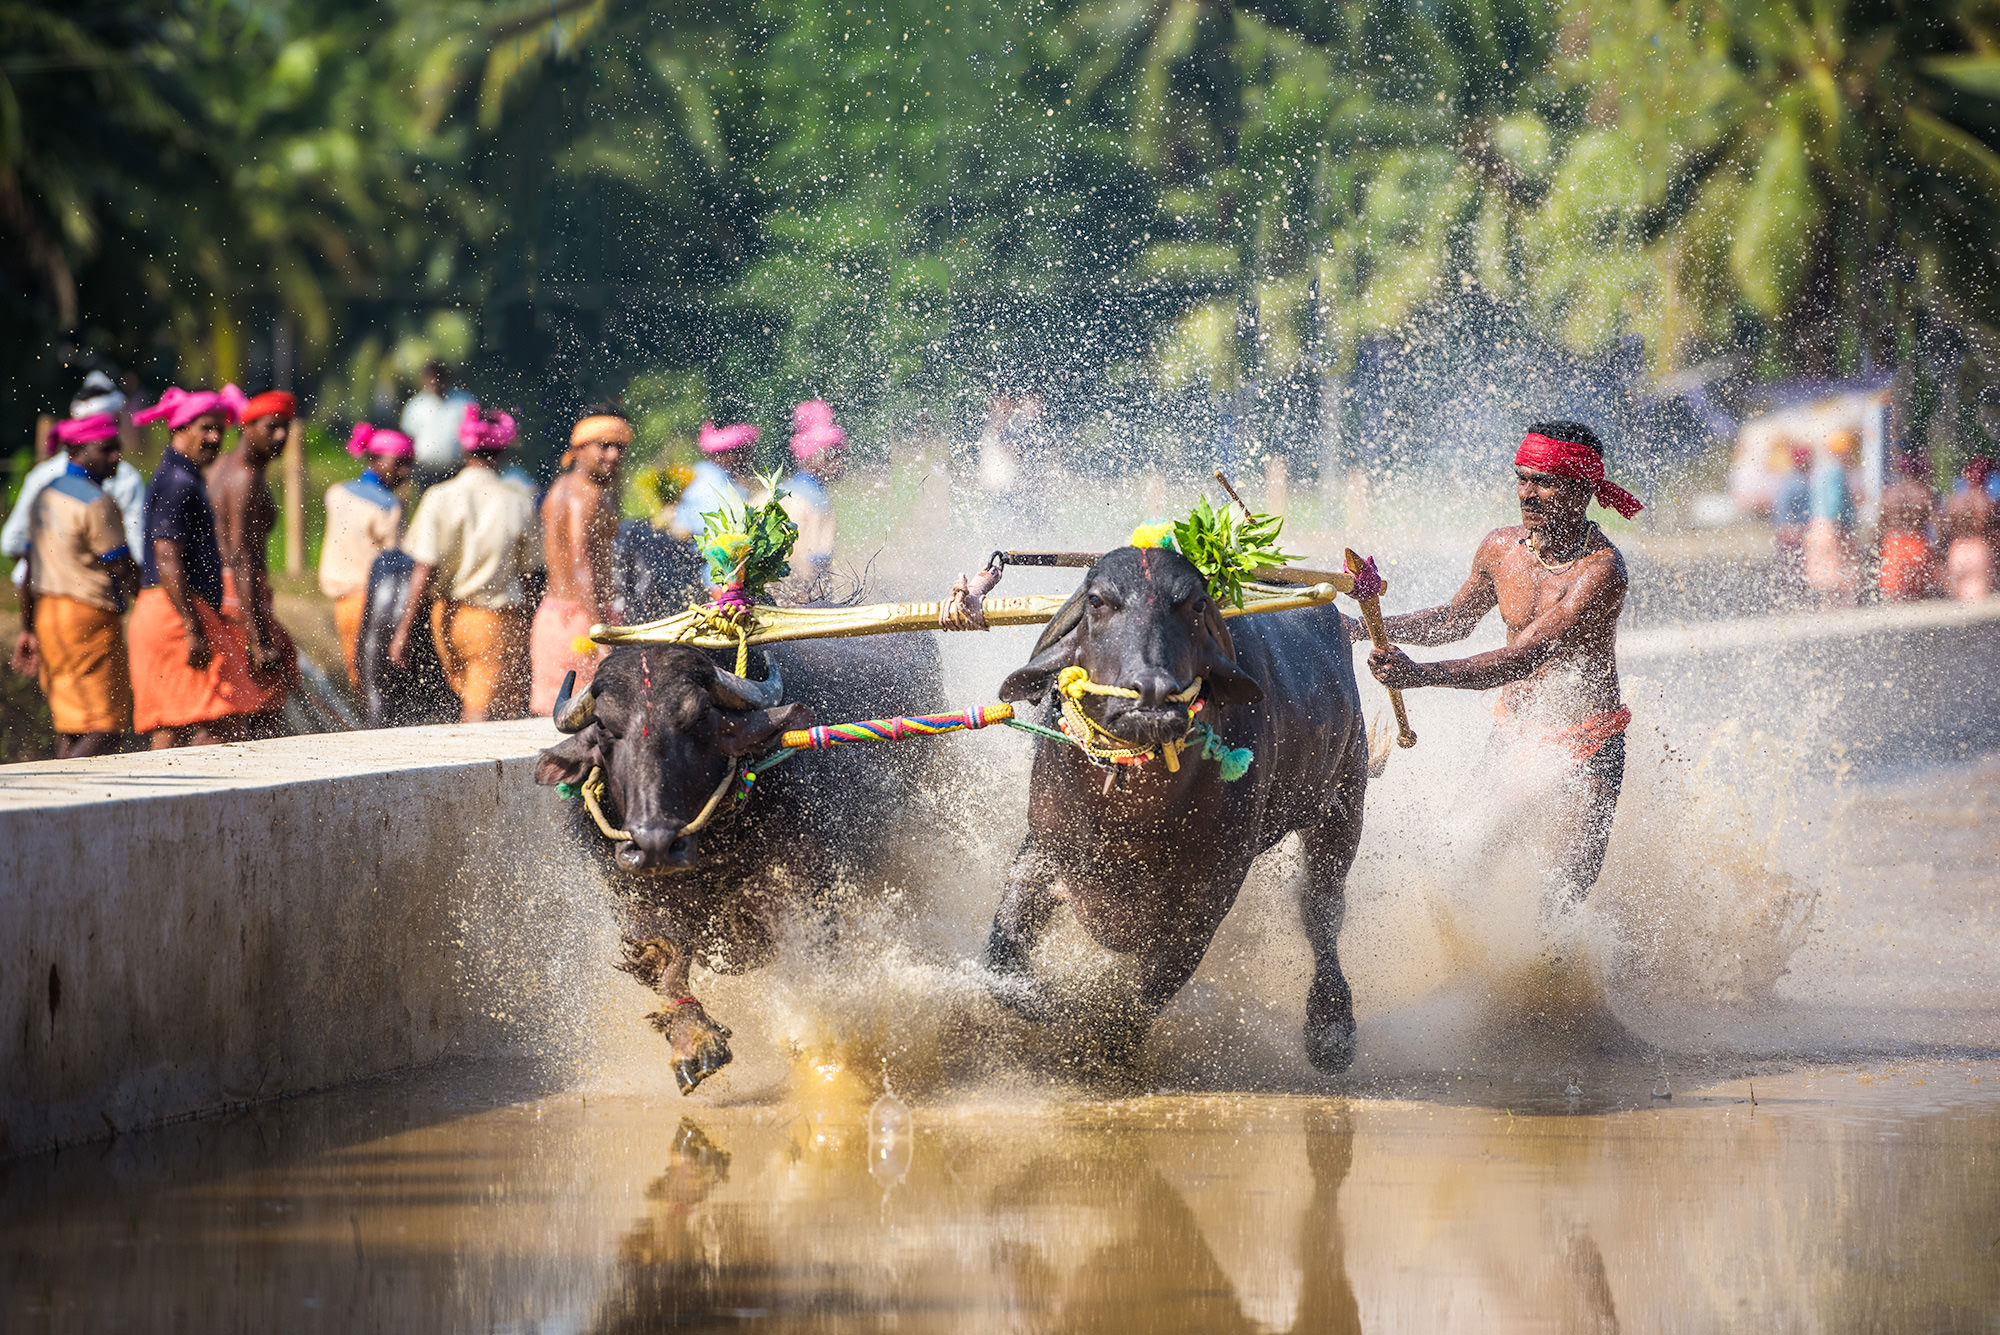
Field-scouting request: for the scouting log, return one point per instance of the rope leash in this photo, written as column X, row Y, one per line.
column 897, row 727
column 1078, row 730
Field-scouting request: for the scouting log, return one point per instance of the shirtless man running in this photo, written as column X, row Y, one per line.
column 579, row 526
column 1559, row 585
column 245, row 514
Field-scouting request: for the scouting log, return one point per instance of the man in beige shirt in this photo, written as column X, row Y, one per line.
column 474, row 540
column 80, row 576
column 363, row 519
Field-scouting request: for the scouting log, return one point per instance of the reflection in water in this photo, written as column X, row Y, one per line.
column 1845, row 1199
column 1085, row 1227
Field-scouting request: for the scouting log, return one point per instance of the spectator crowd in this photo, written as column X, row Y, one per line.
column 146, row 603
column 1925, row 545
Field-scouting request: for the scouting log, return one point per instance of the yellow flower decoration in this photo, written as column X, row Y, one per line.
column 1159, row 533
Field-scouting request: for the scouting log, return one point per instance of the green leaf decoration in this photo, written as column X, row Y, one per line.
column 1225, row 553
column 750, row 547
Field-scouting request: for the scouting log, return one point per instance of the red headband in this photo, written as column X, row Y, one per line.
column 1563, row 458
column 271, row 403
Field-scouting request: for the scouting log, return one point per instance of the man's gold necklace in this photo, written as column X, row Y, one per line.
column 1582, row 550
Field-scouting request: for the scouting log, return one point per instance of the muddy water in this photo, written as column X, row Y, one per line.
column 1800, row 1131
column 1849, row 1198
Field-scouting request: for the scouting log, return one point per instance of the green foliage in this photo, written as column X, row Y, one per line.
column 747, row 546
column 1225, row 553
column 726, row 208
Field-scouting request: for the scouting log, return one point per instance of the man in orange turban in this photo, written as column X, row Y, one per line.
column 579, row 526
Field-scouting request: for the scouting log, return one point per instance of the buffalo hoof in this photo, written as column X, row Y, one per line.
column 1022, row 995
column 1331, row 1046
column 699, row 1045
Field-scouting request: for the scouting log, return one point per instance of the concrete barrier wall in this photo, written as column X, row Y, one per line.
column 188, row 930
column 1833, row 693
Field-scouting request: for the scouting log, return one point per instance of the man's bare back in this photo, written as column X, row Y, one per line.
column 579, row 527
column 245, row 515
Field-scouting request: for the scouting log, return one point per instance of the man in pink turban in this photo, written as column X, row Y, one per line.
column 191, row 679
column 80, row 576
column 819, row 455
column 475, row 544
column 727, row 463
column 1559, row 586
column 364, row 518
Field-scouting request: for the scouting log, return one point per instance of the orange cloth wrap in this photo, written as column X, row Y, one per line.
column 263, row 696
column 485, row 656
column 1907, row 571
column 85, row 673
column 166, row 692
column 602, row 427
column 1580, row 741
column 559, row 624
column 347, row 625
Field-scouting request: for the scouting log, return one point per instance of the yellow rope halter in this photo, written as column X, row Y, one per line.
column 592, row 792
column 1097, row 741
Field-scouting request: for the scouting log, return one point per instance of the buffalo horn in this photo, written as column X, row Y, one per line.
column 571, row 715
column 734, row 692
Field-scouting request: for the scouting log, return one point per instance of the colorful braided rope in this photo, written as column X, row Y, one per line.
column 895, row 729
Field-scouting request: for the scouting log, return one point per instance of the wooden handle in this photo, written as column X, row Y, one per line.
column 1371, row 617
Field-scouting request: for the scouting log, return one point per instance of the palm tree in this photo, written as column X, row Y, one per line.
column 1820, row 177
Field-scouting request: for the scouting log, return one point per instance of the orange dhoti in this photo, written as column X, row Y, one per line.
column 270, row 693
column 1907, row 571
column 560, row 626
column 166, row 692
column 347, row 625
column 484, row 651
column 85, row 673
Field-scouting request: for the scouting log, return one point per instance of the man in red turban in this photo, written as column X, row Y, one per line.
column 1559, row 585
column 245, row 514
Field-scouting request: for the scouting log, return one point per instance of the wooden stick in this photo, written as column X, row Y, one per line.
column 1371, row 616
column 1067, row 560
column 1221, row 477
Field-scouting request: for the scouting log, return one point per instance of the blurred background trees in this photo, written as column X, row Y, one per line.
column 1118, row 204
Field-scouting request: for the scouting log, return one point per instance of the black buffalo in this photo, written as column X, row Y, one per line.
column 671, row 730
column 1151, row 861
column 391, row 696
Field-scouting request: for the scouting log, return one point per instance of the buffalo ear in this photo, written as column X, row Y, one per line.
column 1056, row 650
column 740, row 734
column 570, row 760
column 1227, row 682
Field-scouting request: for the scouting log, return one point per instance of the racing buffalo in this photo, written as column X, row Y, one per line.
column 1150, row 859
column 705, row 873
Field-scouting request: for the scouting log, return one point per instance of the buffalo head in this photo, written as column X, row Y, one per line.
column 666, row 726
column 1142, row 620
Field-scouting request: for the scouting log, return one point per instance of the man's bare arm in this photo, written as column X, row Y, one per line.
column 125, row 576
column 27, row 659
column 1451, row 622
column 419, row 602
column 173, row 583
column 233, row 494
column 1596, row 595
